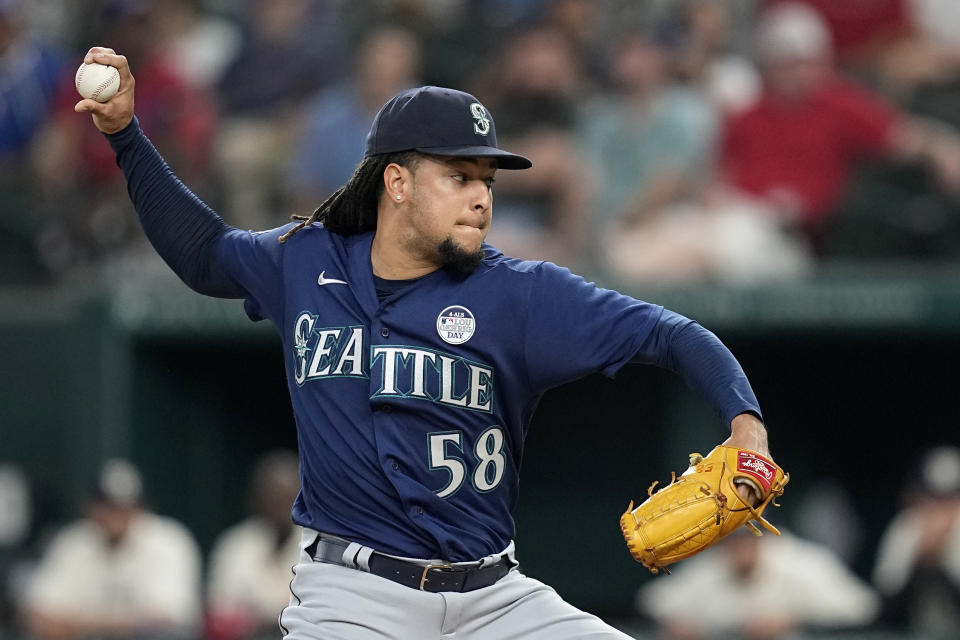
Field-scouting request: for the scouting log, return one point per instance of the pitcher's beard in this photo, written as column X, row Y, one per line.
column 456, row 259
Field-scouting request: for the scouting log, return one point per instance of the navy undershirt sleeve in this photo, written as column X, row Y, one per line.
column 679, row 344
column 178, row 224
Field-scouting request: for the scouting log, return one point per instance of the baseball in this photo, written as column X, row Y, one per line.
column 97, row 81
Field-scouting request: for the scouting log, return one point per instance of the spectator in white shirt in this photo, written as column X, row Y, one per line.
column 758, row 588
column 119, row 572
column 250, row 564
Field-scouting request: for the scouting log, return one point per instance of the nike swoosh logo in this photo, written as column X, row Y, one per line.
column 322, row 281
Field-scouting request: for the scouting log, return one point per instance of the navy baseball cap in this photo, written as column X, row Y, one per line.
column 438, row 122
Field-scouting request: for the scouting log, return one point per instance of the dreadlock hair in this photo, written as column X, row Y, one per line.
column 352, row 208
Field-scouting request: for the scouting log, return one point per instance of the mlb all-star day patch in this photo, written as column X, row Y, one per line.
column 456, row 324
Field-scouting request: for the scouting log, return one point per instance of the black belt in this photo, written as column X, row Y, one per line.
column 433, row 577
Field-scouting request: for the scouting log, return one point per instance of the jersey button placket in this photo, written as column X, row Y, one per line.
column 385, row 332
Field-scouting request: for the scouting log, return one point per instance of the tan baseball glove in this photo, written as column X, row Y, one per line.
column 702, row 506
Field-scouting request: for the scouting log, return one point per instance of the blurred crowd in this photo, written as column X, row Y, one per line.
column 672, row 140
column 123, row 571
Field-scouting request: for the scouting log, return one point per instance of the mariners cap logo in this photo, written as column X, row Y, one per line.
column 456, row 324
column 482, row 125
column 438, row 121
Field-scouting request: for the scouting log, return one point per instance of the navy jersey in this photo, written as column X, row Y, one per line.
column 412, row 412
column 412, row 409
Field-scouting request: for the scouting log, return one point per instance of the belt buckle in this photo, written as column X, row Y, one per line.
column 423, row 576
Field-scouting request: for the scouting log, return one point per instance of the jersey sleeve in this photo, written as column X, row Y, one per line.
column 574, row 328
column 254, row 261
column 209, row 255
column 681, row 345
column 180, row 226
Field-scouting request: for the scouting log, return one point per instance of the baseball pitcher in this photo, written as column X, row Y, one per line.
column 415, row 356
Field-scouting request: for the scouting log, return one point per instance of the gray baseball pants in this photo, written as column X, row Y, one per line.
column 333, row 602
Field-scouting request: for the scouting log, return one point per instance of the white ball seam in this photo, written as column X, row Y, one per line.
column 103, row 85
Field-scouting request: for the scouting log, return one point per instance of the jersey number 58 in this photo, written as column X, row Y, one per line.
column 444, row 447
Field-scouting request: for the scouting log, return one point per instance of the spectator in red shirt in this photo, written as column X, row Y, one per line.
column 796, row 147
column 859, row 29
column 899, row 46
